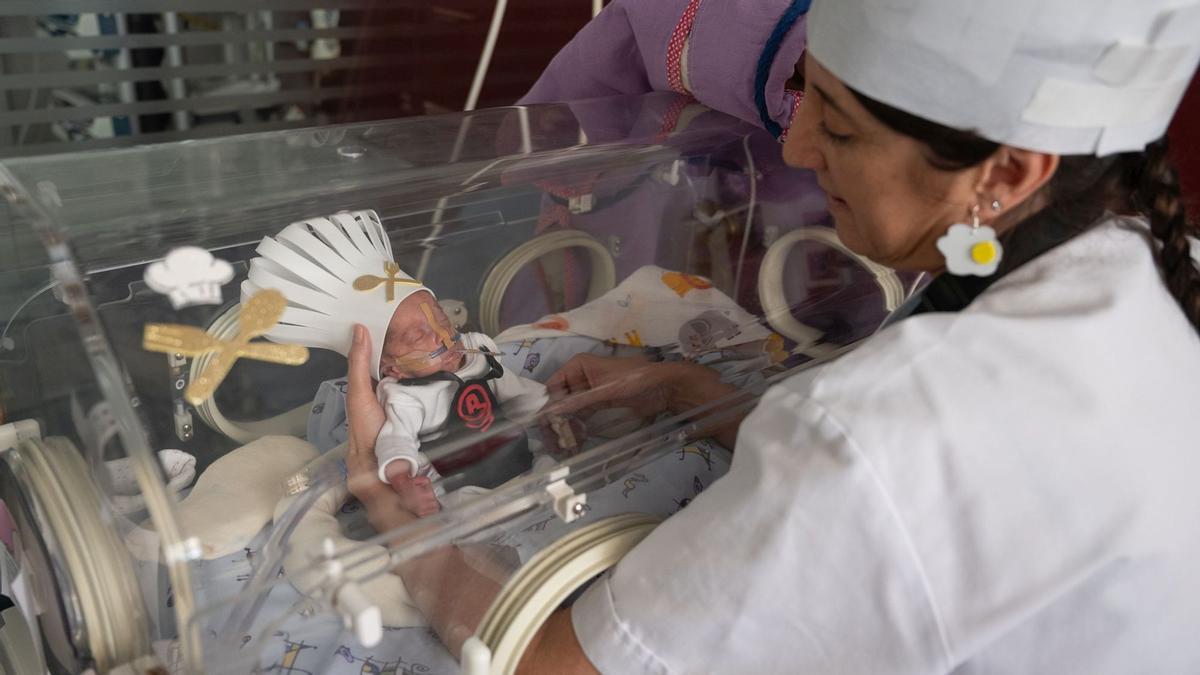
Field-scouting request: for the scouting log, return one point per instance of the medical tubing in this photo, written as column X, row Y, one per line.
column 589, row 469
column 13, row 317
column 753, row 173
column 250, row 660
column 485, row 59
column 326, row 472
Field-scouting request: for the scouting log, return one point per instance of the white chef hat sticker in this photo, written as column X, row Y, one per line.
column 189, row 275
column 971, row 250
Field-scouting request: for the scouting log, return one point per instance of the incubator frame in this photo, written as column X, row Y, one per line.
column 454, row 183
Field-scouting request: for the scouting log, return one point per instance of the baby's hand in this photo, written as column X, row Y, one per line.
column 416, row 492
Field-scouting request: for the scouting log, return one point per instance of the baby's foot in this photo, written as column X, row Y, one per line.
column 416, row 492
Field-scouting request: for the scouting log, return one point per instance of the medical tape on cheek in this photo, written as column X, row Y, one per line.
column 442, row 333
column 409, row 362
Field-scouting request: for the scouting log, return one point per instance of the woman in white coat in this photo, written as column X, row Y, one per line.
column 1004, row 479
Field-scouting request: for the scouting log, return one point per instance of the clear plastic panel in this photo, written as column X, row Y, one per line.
column 95, row 547
column 645, row 228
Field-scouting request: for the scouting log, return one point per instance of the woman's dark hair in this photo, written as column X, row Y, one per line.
column 1082, row 188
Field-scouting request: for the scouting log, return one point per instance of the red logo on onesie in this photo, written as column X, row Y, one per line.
column 475, row 408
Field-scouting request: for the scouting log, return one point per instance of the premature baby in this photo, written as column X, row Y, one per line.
column 339, row 271
column 438, row 380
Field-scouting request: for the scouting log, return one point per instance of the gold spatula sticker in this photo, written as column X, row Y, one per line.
column 369, row 282
column 258, row 315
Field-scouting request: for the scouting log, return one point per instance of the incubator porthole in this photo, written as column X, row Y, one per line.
column 584, row 266
column 816, row 291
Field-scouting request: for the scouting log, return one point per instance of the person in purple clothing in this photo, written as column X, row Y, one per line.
column 1000, row 481
column 738, row 57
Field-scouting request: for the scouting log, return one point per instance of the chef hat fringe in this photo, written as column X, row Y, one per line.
column 315, row 264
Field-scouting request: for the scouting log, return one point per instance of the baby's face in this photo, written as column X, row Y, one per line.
column 418, row 327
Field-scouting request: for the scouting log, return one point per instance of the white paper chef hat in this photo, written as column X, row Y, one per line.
column 1062, row 76
column 335, row 272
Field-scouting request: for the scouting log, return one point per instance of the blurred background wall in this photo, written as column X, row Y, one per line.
column 106, row 73
column 87, row 74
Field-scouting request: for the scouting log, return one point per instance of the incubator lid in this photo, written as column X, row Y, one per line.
column 148, row 423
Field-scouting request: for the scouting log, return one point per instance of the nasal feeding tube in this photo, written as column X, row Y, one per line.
column 443, row 334
column 448, row 343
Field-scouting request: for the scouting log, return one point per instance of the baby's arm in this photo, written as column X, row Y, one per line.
column 398, row 441
column 397, row 446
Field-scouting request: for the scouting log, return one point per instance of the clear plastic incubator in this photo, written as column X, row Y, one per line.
column 173, row 399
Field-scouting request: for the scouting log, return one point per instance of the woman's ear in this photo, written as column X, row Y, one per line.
column 1012, row 178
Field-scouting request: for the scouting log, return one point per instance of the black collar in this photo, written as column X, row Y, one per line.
column 1036, row 236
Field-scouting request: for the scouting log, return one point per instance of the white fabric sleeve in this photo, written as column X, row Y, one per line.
column 520, row 398
column 399, row 439
column 794, row 562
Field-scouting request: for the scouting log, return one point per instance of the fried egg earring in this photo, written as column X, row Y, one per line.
column 971, row 249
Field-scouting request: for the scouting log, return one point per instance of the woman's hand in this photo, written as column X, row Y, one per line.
column 365, row 416
column 363, row 409
column 362, row 479
column 385, row 508
column 589, row 383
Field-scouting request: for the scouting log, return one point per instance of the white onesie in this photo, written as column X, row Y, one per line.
column 414, row 411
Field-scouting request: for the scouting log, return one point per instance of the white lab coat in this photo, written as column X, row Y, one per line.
column 413, row 412
column 1014, row 488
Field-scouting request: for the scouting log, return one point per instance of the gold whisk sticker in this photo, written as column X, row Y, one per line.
column 257, row 315
column 369, row 282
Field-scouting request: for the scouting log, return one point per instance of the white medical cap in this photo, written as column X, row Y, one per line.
column 1063, row 76
column 335, row 272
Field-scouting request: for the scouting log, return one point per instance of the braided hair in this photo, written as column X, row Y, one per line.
column 1155, row 187
column 1082, row 188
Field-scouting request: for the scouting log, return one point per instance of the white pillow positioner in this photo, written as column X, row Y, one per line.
column 306, row 548
column 235, row 496
column 179, row 467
